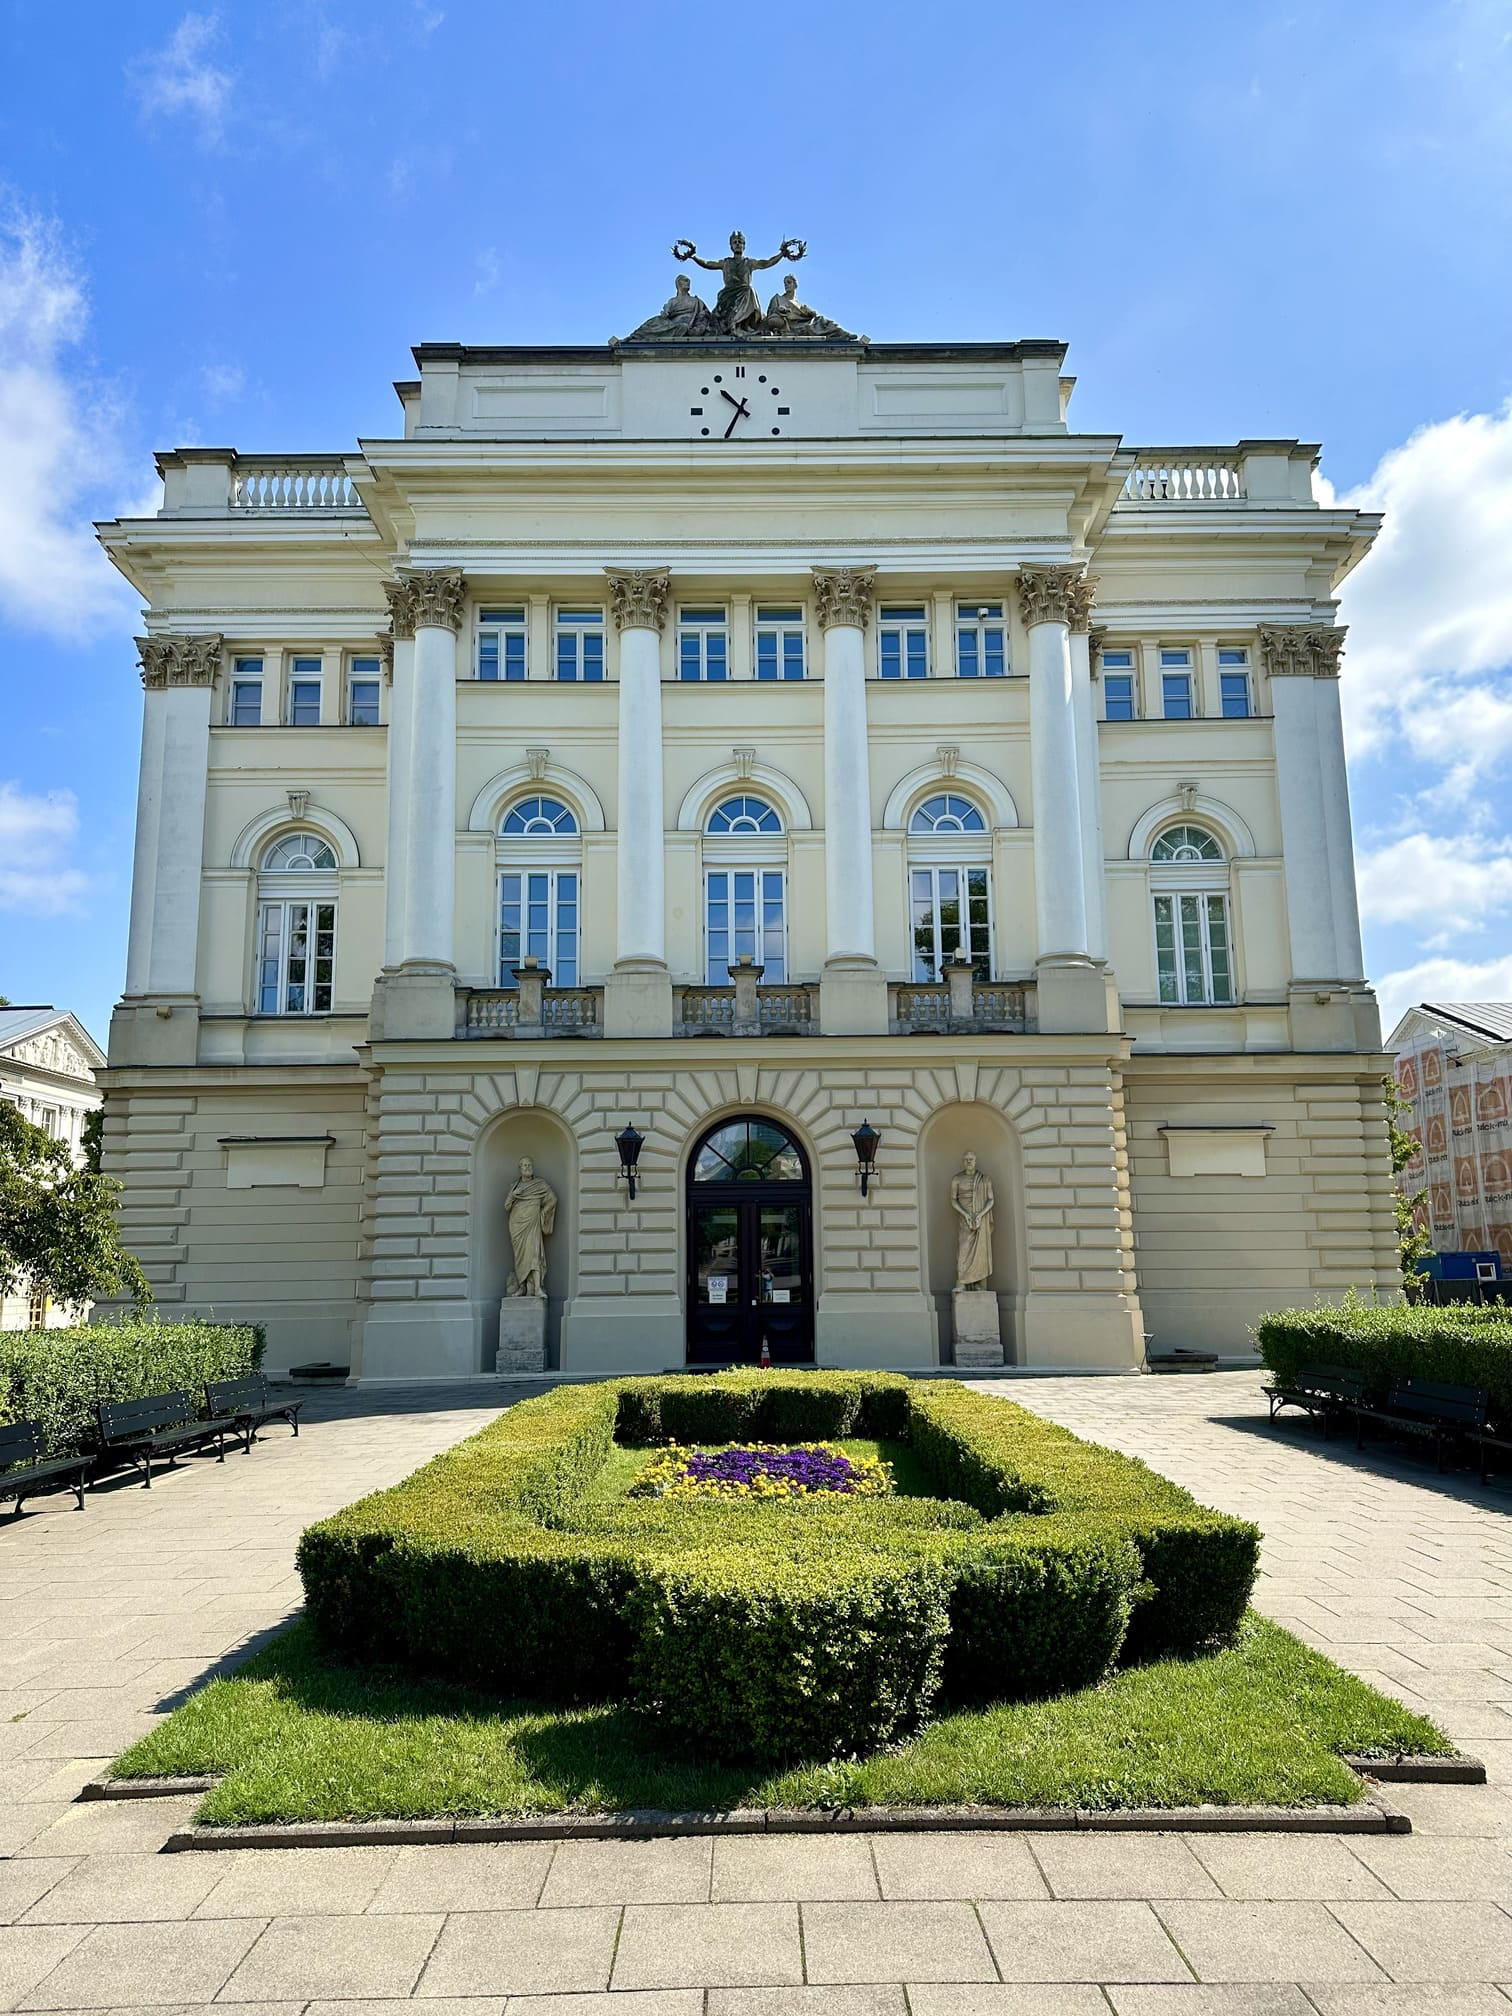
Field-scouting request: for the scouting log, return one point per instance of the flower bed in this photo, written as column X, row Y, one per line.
column 762, row 1470
column 823, row 1624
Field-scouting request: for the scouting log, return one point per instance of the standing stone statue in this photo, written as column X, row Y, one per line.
column 787, row 316
column 972, row 1201
column 737, row 311
column 530, row 1212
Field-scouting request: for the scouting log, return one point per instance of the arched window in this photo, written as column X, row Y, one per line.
column 1194, row 964
column 540, row 889
column 949, row 886
column 744, row 815
column 296, row 926
column 745, row 890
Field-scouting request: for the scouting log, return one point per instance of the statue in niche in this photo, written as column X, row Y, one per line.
column 530, row 1213
column 972, row 1201
column 681, row 319
column 737, row 311
column 787, row 316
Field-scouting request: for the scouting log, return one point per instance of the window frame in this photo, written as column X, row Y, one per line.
column 300, row 675
column 511, row 628
column 910, row 621
column 239, row 678
column 699, row 627
column 1119, row 665
column 285, row 890
column 1175, row 664
column 771, row 621
column 359, row 674
column 553, row 854
column 760, row 863
column 934, row 863
column 1234, row 668
column 978, row 627
column 1206, row 886
column 576, row 622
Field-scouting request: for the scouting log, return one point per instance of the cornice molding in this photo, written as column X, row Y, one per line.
column 1301, row 651
column 431, row 598
column 844, row 595
column 178, row 661
column 1056, row 595
column 638, row 597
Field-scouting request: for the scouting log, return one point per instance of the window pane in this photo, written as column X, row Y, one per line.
column 246, row 703
column 364, row 703
column 488, row 656
column 918, row 662
column 1165, row 948
column 1217, row 923
column 966, row 654
column 1118, row 659
column 1175, row 657
column 1235, row 687
column 1176, row 688
column 304, row 703
column 1194, row 986
column 1227, row 657
column 1118, row 697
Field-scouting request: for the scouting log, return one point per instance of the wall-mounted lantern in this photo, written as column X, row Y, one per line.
column 866, row 1141
column 629, row 1144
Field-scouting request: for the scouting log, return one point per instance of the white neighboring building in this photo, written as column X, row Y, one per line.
column 47, row 1064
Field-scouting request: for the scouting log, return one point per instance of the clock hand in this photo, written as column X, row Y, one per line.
column 733, row 401
column 742, row 412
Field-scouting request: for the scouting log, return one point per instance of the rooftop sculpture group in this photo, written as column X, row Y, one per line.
column 737, row 309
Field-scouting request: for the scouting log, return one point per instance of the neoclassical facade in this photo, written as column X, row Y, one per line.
column 704, row 750
column 48, row 1061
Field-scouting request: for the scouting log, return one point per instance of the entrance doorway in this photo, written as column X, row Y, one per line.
column 750, row 1246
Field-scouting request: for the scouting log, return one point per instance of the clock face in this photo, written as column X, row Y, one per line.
column 737, row 402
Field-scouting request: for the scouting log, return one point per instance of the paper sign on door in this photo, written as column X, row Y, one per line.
column 718, row 1285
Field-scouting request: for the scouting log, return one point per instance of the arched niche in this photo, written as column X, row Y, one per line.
column 943, row 1141
column 550, row 1145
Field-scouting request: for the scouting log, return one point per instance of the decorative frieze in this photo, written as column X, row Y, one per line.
column 1056, row 595
column 638, row 597
column 1298, row 651
column 431, row 598
column 179, row 661
column 844, row 595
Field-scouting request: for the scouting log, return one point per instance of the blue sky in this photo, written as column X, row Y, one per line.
column 228, row 226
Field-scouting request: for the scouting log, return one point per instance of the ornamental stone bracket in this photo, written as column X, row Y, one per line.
column 638, row 597
column 1056, row 595
column 1298, row 651
column 1097, row 637
column 178, row 661
column 429, row 599
column 844, row 595
column 386, row 653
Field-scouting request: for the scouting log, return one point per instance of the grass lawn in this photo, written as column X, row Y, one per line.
column 301, row 1738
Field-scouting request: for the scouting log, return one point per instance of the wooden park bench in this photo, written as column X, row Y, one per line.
column 161, row 1426
column 1489, row 1443
column 26, row 1468
column 1324, row 1391
column 1425, row 1410
column 249, row 1403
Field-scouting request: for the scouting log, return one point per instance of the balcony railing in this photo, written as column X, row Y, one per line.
column 291, row 483
column 565, row 1011
column 716, row 1011
column 1185, row 476
column 990, row 1008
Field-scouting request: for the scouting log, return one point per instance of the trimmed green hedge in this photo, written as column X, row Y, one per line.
column 811, row 1628
column 1460, row 1345
column 57, row 1376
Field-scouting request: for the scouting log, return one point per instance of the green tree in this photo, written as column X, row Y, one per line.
column 92, row 1137
column 58, row 1230
column 1413, row 1243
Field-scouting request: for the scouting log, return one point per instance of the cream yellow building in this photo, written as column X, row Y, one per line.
column 846, row 740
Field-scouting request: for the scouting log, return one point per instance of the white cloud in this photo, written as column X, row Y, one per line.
column 1442, row 980
column 1425, row 878
column 1430, row 611
column 490, row 270
column 59, row 439
column 180, row 78
column 223, row 382
column 37, row 835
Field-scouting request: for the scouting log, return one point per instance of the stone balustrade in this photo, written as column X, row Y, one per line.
column 996, row 1007
column 1185, row 476
column 565, row 1011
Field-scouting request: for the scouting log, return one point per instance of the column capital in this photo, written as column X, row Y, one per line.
column 1056, row 595
column 845, row 596
column 1097, row 637
column 178, row 661
column 1301, row 651
column 386, row 653
column 638, row 597
column 430, row 598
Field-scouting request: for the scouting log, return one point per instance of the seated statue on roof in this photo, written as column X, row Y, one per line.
column 787, row 316
column 681, row 319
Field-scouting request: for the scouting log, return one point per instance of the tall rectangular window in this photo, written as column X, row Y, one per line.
column 246, row 693
column 903, row 642
column 981, row 650
column 503, row 636
column 950, row 914
column 538, row 919
column 779, row 642
column 744, row 917
column 1176, row 685
column 580, row 643
column 1192, row 959
column 1233, row 684
column 364, row 691
column 703, row 644
column 304, row 693
column 1118, row 685
column 296, row 957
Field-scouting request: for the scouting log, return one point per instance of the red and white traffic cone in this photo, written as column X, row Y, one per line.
column 764, row 1362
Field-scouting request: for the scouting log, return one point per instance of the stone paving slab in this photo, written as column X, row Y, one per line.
column 106, row 1620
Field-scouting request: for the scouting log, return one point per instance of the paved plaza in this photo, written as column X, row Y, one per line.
column 106, row 1618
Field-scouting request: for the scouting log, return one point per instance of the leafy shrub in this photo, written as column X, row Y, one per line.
column 766, row 1659
column 1460, row 1344
column 57, row 1376
column 815, row 1625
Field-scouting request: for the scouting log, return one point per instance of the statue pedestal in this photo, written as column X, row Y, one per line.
column 976, row 1330
column 522, row 1334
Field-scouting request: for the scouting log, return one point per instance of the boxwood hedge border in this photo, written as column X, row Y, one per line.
column 1458, row 1344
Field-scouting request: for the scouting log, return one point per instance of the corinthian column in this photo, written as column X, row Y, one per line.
column 1071, row 990
column 853, row 989
column 1088, row 765
column 638, row 995
column 419, row 997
